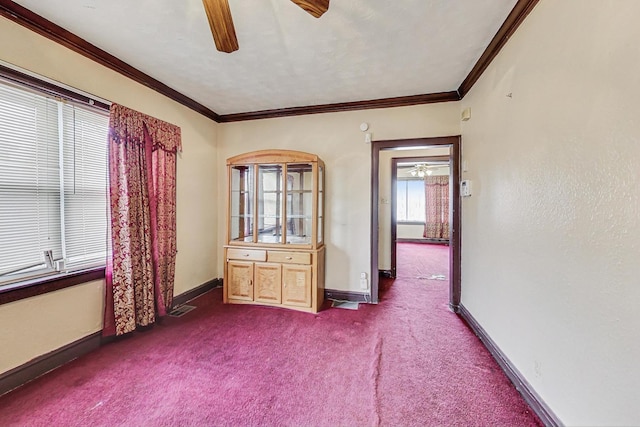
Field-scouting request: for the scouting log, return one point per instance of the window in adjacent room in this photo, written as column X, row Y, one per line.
column 53, row 185
column 410, row 197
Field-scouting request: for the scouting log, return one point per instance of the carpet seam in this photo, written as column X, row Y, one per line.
column 376, row 378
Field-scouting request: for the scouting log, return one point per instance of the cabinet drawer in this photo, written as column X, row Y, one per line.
column 289, row 257
column 247, row 254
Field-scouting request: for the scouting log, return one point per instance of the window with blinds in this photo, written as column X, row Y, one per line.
column 410, row 200
column 53, row 185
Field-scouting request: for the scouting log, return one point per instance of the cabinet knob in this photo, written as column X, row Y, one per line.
column 288, row 257
column 245, row 254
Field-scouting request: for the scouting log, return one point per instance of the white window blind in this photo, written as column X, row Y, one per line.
column 410, row 200
column 85, row 186
column 53, row 184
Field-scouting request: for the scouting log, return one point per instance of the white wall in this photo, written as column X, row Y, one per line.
column 409, row 231
column 38, row 325
column 550, row 254
column 337, row 139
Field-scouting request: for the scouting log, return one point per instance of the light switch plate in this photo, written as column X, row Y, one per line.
column 465, row 188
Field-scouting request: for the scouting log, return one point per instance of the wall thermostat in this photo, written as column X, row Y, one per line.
column 364, row 126
column 465, row 188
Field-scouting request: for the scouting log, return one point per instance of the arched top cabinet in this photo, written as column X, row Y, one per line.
column 275, row 229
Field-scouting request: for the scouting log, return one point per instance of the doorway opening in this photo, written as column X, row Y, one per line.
column 453, row 145
column 410, row 222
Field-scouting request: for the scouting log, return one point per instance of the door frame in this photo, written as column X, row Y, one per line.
column 454, row 142
column 394, row 201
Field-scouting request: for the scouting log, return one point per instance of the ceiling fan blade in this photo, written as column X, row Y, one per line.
column 314, row 7
column 221, row 23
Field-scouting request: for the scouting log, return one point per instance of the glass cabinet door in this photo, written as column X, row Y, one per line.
column 241, row 204
column 270, row 203
column 320, row 205
column 299, row 203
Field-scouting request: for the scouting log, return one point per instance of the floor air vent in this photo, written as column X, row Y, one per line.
column 349, row 305
column 181, row 310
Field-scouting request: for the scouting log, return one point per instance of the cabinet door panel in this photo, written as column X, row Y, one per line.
column 268, row 286
column 240, row 276
column 296, row 285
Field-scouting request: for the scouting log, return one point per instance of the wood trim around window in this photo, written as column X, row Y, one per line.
column 31, row 288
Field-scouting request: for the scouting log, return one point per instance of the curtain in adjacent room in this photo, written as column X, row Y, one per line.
column 436, row 190
column 142, row 189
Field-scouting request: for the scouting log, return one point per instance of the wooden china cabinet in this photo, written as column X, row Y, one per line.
column 275, row 215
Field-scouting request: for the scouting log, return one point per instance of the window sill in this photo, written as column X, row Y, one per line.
column 410, row 222
column 43, row 285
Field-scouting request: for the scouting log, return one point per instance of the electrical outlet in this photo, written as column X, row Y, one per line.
column 364, row 282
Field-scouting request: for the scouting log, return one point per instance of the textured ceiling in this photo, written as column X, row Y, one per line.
column 359, row 50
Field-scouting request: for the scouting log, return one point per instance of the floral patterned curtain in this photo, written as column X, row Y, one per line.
column 436, row 190
column 142, row 188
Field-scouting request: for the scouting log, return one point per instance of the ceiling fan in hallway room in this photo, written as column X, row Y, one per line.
column 221, row 22
column 426, row 169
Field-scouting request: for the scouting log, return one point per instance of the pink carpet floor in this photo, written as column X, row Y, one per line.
column 408, row 361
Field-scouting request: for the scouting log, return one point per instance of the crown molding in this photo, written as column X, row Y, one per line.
column 400, row 101
column 509, row 26
column 48, row 29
